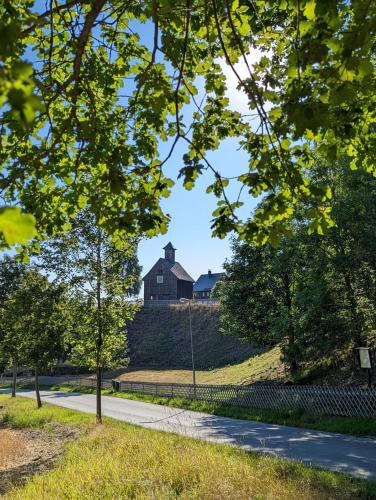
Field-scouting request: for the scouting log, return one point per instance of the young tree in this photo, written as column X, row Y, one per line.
column 37, row 317
column 104, row 273
column 12, row 273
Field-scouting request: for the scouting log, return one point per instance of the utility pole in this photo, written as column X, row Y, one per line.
column 188, row 301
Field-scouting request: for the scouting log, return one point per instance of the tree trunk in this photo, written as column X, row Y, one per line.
column 355, row 317
column 99, row 395
column 291, row 330
column 99, row 342
column 14, row 379
column 356, row 321
column 39, row 401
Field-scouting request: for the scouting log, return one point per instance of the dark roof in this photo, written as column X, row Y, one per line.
column 180, row 272
column 206, row 282
column 177, row 269
column 169, row 246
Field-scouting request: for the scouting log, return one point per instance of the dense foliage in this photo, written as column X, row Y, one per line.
column 11, row 277
column 315, row 294
column 107, row 82
column 34, row 320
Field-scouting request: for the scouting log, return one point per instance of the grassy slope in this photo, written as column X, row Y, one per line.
column 117, row 460
column 160, row 351
column 159, row 338
column 264, row 366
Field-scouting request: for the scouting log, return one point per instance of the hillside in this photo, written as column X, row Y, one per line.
column 260, row 367
column 159, row 338
column 159, row 347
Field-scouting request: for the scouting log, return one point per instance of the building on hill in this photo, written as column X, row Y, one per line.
column 167, row 279
column 204, row 286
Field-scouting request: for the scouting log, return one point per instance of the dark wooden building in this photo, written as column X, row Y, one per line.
column 167, row 279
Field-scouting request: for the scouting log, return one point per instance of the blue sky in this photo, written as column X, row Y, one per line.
column 191, row 211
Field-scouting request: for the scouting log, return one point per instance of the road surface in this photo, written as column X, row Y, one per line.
column 343, row 453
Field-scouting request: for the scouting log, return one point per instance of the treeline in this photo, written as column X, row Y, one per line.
column 71, row 303
column 314, row 294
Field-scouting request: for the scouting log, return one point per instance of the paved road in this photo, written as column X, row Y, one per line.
column 356, row 456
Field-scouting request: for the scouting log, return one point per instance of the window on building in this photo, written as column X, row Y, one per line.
column 159, row 279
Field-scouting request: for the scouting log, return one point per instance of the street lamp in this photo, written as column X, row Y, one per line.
column 188, row 301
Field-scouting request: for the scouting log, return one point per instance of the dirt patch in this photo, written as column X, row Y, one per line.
column 27, row 452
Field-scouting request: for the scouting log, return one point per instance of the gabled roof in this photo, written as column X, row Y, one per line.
column 177, row 269
column 206, row 282
column 181, row 274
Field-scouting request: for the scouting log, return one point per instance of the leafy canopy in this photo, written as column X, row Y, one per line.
column 82, row 122
column 100, row 279
column 315, row 295
column 36, row 320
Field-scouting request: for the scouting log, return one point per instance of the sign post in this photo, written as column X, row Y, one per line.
column 365, row 361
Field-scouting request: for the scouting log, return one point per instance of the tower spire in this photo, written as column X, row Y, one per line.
column 170, row 252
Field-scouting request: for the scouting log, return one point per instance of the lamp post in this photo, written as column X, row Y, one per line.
column 188, row 301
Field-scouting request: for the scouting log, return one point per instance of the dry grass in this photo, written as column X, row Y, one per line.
column 12, row 447
column 120, row 461
column 265, row 366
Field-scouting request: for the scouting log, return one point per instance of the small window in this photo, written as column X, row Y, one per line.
column 159, row 279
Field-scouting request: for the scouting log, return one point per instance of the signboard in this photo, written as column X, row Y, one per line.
column 159, row 279
column 366, row 361
column 365, row 357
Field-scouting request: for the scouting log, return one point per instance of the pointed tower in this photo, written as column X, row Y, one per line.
column 170, row 252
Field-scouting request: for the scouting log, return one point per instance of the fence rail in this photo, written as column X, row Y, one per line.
column 63, row 380
column 341, row 401
column 164, row 303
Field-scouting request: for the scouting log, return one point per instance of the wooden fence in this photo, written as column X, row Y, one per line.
column 342, row 401
column 165, row 303
column 73, row 380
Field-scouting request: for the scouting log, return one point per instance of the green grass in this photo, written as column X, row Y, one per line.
column 263, row 366
column 356, row 426
column 119, row 461
column 159, row 337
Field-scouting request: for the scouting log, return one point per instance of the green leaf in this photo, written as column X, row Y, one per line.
column 309, row 9
column 285, row 144
column 16, row 226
